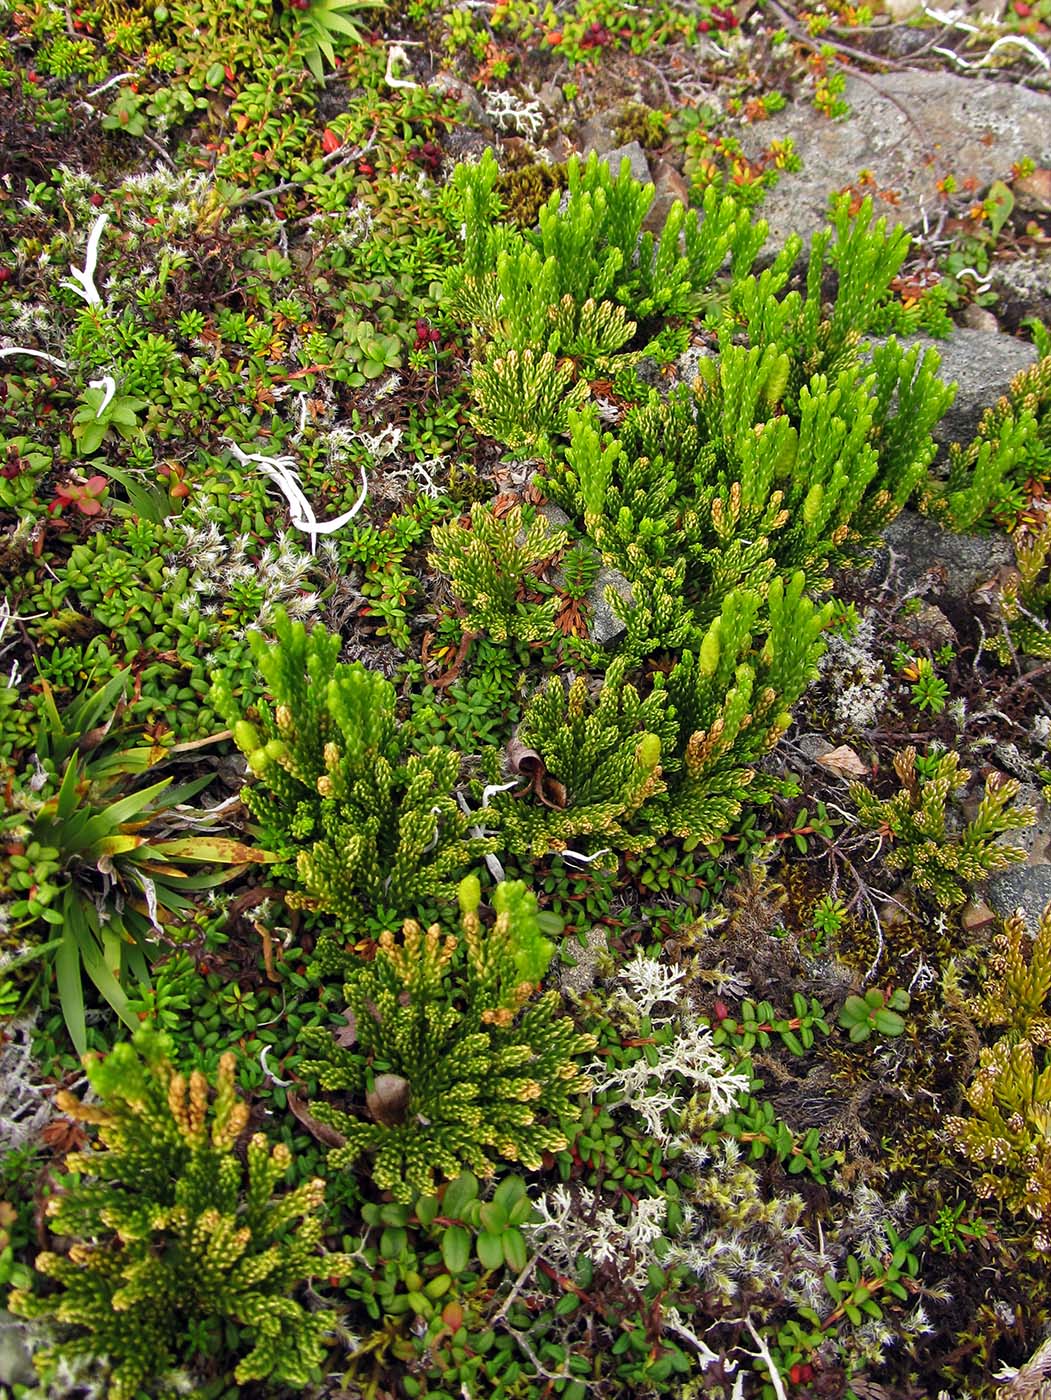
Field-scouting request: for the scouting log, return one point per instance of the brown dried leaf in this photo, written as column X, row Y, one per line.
column 522, row 759
column 63, row 1136
column 348, row 1036
column 551, row 792
column 526, row 761
column 844, row 762
column 313, row 1125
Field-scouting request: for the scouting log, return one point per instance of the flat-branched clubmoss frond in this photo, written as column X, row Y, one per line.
column 356, row 820
column 728, row 485
column 914, row 825
column 1024, row 599
column 487, row 565
column 1012, row 445
column 174, row 1238
column 682, row 761
column 477, row 1066
column 1017, row 982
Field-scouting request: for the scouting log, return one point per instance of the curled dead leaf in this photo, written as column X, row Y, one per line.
column 844, row 762
column 314, row 1126
column 349, row 1034
column 523, row 760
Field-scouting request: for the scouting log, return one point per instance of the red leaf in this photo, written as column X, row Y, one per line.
column 330, row 141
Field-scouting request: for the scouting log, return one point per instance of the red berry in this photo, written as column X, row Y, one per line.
column 5, row 274
column 96, row 201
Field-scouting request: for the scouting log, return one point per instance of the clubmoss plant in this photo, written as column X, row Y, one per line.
column 179, row 1249
column 356, row 820
column 681, row 762
column 487, row 566
column 914, row 824
column 732, row 482
column 459, row 1062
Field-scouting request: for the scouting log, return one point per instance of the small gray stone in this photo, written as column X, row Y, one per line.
column 606, row 626
column 813, row 746
column 688, row 365
column 931, row 627
column 982, row 365
column 550, row 97
column 959, row 563
column 599, row 132
column 448, row 85
column 977, row 318
column 640, row 166
column 1025, row 887
column 1024, row 287
column 16, row 1368
column 579, row 977
column 555, row 516
column 649, row 372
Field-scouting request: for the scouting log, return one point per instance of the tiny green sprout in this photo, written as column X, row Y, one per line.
column 845, row 620
column 828, row 916
column 929, row 691
column 876, row 1011
column 903, row 658
column 953, row 1232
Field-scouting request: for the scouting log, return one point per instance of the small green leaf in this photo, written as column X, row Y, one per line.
column 515, row 1252
column 999, row 203
column 490, row 1250
column 458, row 1193
column 426, row 1210
column 456, row 1248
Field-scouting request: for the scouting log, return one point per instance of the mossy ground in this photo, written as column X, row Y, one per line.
column 270, row 278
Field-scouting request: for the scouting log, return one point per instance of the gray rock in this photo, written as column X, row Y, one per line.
column 579, row 976
column 982, row 365
column 16, row 1368
column 640, row 166
column 555, row 516
column 976, row 318
column 813, row 746
column 1024, row 287
column 958, row 563
column 450, row 86
column 606, row 626
column 1025, row 887
column 910, row 129
column 463, row 144
column 599, row 132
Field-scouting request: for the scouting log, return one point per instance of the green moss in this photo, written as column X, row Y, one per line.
column 525, row 190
